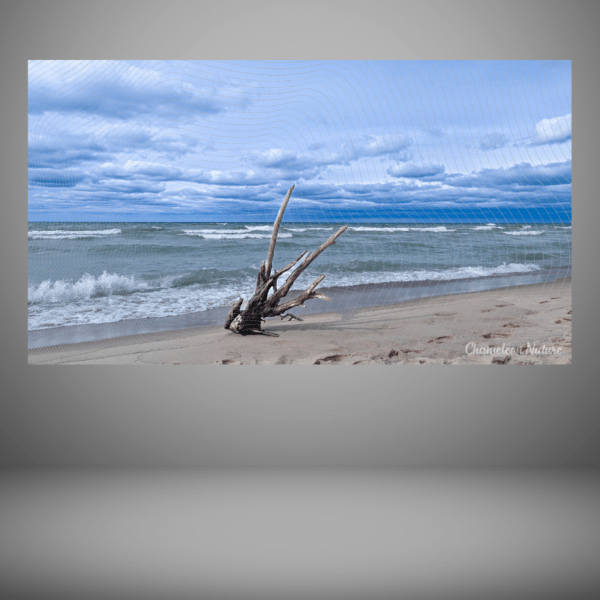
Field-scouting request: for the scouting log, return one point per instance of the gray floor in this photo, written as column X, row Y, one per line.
column 369, row 534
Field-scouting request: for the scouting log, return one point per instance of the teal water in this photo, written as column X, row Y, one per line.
column 89, row 273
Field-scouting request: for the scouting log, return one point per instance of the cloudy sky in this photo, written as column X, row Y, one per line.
column 362, row 140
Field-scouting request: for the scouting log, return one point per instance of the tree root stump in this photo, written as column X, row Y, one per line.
column 262, row 305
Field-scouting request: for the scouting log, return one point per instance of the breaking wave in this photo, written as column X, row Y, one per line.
column 111, row 297
column 87, row 287
column 302, row 229
column 487, row 227
column 232, row 234
column 65, row 234
column 524, row 232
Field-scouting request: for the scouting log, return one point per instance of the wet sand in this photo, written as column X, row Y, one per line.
column 526, row 324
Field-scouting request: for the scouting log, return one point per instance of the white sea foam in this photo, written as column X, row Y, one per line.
column 87, row 287
column 381, row 229
column 345, row 280
column 440, row 229
column 201, row 231
column 231, row 234
column 524, row 232
column 63, row 303
column 302, row 229
column 235, row 236
column 259, row 227
column 111, row 297
column 156, row 303
column 65, row 234
column 487, row 227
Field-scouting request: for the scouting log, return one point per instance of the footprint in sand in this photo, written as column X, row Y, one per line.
column 500, row 361
column 501, row 305
column 511, row 325
column 438, row 340
column 330, row 360
column 543, row 302
column 392, row 357
column 487, row 336
column 487, row 310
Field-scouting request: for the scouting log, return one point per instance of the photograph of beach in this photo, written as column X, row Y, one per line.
column 155, row 186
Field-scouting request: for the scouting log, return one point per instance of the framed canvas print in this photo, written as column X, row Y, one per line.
column 352, row 212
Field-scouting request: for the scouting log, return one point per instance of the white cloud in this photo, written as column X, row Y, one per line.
column 554, row 130
column 414, row 170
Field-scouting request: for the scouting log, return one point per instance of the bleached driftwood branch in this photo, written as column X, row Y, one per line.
column 263, row 305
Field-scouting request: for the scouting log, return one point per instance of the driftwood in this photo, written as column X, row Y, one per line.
column 263, row 305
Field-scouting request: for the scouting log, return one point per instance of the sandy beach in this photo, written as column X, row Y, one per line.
column 528, row 324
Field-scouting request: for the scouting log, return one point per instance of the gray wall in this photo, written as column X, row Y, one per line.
column 210, row 416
